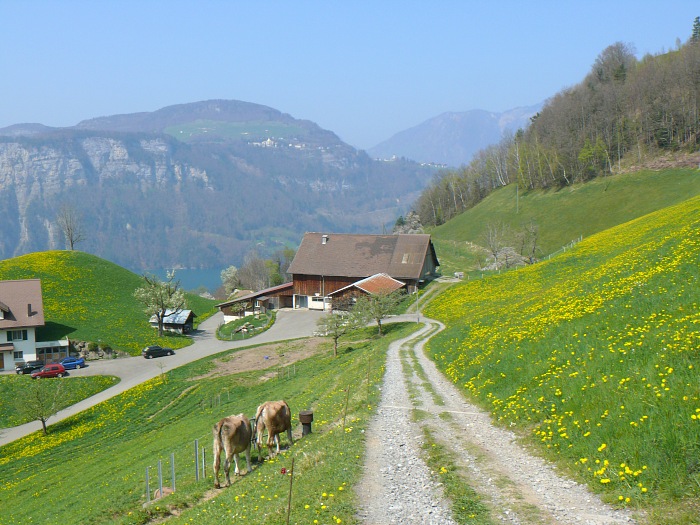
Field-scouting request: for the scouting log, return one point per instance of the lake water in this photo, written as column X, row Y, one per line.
column 193, row 279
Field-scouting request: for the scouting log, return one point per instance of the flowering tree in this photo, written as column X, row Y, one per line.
column 159, row 297
column 379, row 306
column 338, row 323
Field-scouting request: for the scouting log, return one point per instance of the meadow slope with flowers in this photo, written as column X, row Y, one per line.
column 91, row 467
column 89, row 298
column 593, row 357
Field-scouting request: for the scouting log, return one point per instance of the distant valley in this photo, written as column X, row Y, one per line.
column 194, row 185
column 200, row 185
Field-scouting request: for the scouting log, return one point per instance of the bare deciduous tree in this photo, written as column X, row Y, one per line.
column 70, row 222
column 254, row 274
column 39, row 401
column 495, row 238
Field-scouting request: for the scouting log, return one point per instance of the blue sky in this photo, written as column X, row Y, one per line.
column 363, row 69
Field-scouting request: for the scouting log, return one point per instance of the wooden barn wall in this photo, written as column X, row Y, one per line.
column 312, row 284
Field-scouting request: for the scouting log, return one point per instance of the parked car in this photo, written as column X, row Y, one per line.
column 69, row 363
column 28, row 367
column 52, row 370
column 156, row 351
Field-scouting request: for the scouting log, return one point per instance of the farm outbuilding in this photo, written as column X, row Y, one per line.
column 376, row 284
column 181, row 321
column 258, row 302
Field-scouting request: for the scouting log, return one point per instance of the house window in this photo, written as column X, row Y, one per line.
column 17, row 335
column 18, row 355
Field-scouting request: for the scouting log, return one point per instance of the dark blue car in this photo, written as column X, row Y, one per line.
column 69, row 363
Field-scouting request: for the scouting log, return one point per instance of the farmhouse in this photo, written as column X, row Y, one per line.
column 21, row 313
column 328, row 263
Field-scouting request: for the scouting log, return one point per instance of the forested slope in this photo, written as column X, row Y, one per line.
column 624, row 115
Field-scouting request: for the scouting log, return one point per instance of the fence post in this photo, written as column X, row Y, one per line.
column 204, row 462
column 289, row 501
column 160, row 477
column 172, row 470
column 345, row 412
column 196, row 460
column 148, row 488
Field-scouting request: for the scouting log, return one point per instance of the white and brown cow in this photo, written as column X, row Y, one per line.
column 276, row 417
column 232, row 435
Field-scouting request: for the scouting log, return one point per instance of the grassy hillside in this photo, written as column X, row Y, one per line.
column 111, row 445
column 91, row 299
column 565, row 214
column 249, row 131
column 594, row 355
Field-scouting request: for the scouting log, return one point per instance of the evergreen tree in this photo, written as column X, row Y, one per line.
column 695, row 37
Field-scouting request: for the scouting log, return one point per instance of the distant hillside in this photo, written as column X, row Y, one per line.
column 560, row 215
column 90, row 299
column 453, row 138
column 194, row 185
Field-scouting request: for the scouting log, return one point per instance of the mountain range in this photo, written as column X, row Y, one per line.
column 200, row 185
column 452, row 138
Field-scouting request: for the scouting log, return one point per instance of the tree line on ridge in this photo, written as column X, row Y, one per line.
column 623, row 112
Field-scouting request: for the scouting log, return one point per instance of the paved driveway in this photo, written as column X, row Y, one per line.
column 290, row 324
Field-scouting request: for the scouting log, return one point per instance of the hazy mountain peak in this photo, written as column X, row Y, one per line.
column 452, row 138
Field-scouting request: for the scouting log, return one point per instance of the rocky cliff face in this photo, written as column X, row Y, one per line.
column 150, row 201
column 35, row 179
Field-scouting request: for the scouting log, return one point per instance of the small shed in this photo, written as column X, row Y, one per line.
column 181, row 321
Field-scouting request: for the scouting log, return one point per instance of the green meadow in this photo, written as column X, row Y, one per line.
column 563, row 215
column 593, row 357
column 251, row 131
column 91, row 299
column 91, row 468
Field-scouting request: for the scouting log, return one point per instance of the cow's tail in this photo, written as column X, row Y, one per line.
column 218, row 439
column 259, row 421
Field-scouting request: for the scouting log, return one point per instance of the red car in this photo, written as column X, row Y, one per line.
column 52, row 370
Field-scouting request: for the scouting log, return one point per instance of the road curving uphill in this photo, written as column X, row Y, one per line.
column 514, row 485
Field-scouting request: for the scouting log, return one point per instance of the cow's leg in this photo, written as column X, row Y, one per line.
column 289, row 435
column 247, row 457
column 227, row 468
column 217, row 462
column 235, row 460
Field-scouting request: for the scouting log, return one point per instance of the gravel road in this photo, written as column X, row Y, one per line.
column 519, row 488
column 132, row 371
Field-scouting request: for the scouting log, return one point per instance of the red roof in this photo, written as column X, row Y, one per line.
column 379, row 283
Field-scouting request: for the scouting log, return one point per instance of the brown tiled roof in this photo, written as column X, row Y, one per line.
column 24, row 302
column 379, row 283
column 355, row 255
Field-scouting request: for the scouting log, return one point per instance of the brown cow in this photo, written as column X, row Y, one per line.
column 276, row 417
column 232, row 435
